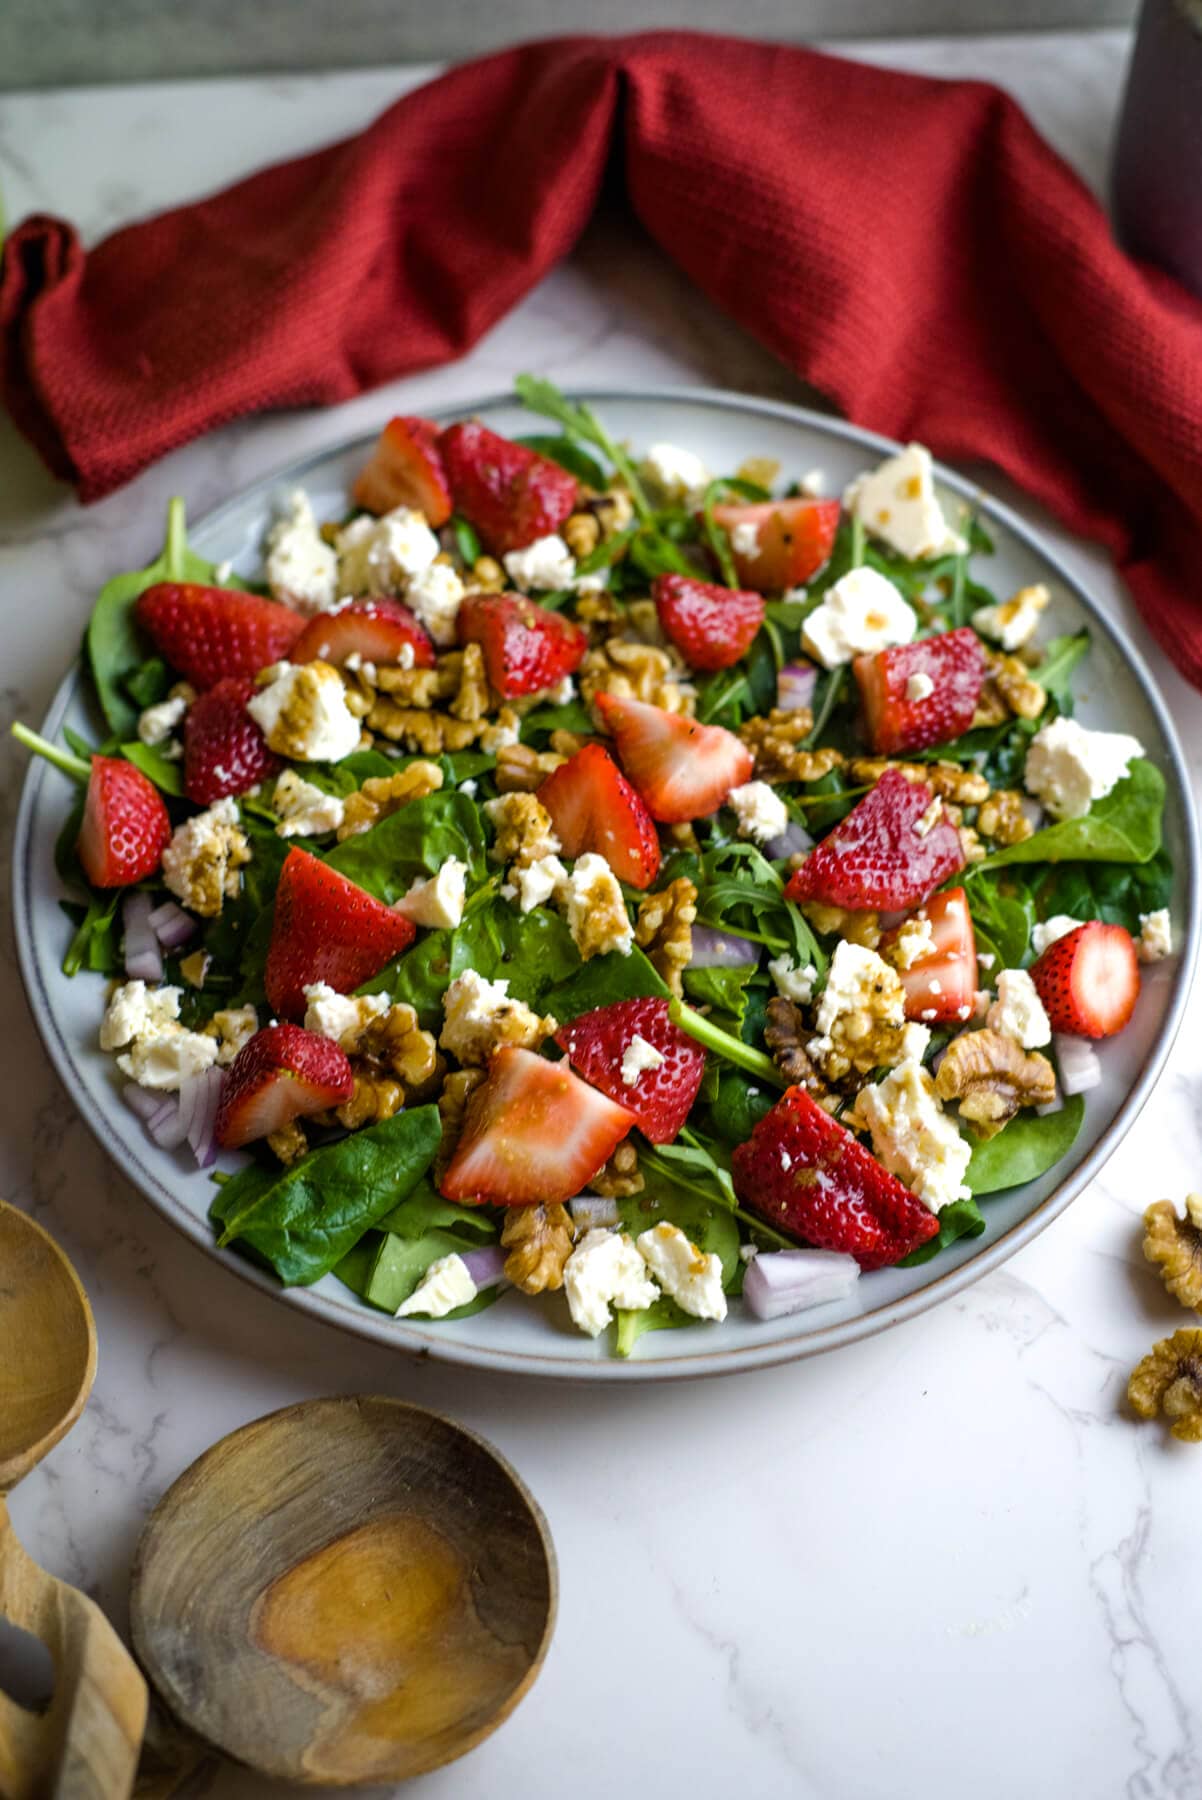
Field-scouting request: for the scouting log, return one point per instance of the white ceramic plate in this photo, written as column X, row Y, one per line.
column 535, row 1337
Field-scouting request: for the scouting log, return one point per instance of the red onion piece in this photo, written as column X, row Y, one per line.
column 140, row 1100
column 166, row 1126
column 793, row 840
column 486, row 1266
column 778, row 1282
column 143, row 957
column 200, row 1096
column 721, row 949
column 795, row 686
column 593, row 1212
column 1053, row 1106
column 1077, row 1061
column 1032, row 810
column 172, row 925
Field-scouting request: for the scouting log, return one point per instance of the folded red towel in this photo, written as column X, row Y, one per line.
column 911, row 246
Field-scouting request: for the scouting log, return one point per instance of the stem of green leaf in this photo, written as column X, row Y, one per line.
column 74, row 766
column 177, row 539
column 732, row 1049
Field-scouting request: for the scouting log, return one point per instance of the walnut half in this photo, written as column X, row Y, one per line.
column 1175, row 1243
column 1169, row 1381
column 992, row 1077
column 664, row 929
column 783, row 1034
column 539, row 1241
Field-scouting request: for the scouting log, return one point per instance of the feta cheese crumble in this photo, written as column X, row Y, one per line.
column 380, row 556
column 676, row 474
column 201, row 863
column 1155, row 940
column 535, row 882
column 301, row 568
column 434, row 598
column 791, row 982
column 813, row 483
column 1014, row 622
column 915, row 939
column 1049, row 931
column 919, row 686
column 745, row 539
column 304, row 809
column 135, row 1011
column 165, row 1059
column 596, row 912
column 1018, row 1011
column 301, row 710
column 437, row 903
column 157, row 724
column 861, row 612
column 603, row 1271
column 342, row 1017
column 637, row 1057
column 1068, row 767
column 913, row 1137
column 545, row 564
column 897, row 504
column 691, row 1277
column 446, row 1284
column 236, row 1025
column 761, row 812
column 479, row 1016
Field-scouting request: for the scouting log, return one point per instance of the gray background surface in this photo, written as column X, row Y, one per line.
column 45, row 42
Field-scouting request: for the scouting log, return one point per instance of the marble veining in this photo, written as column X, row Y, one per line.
column 938, row 1561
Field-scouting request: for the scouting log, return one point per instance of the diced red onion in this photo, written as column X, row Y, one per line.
column 1032, row 811
column 778, row 1282
column 1053, row 1106
column 1078, row 1063
column 166, row 1125
column 795, row 686
column 199, row 1098
column 172, row 925
column 143, row 957
column 721, row 949
column 486, row 1266
column 793, row 840
column 594, row 1212
column 140, row 1100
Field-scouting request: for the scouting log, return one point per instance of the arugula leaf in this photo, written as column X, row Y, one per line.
column 569, row 456
column 166, row 773
column 304, row 1218
column 962, row 1218
column 688, row 1167
column 96, row 943
column 414, row 841
column 1061, row 656
column 581, row 421
column 1028, row 1146
column 1125, row 827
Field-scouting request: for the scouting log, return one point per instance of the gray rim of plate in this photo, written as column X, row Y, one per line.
column 717, row 1361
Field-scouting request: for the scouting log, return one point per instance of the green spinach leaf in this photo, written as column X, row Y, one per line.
column 1028, row 1146
column 600, row 982
column 400, row 1264
column 1125, row 827
column 963, row 1218
column 415, row 841
column 166, row 773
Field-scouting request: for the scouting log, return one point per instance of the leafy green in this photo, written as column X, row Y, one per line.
column 663, row 1314
column 1060, row 657
column 166, row 773
column 425, row 1210
column 467, row 541
column 710, row 1226
column 1002, row 920
column 581, row 422
column 739, row 890
column 149, row 683
column 96, row 944
column 239, row 935
column 962, row 1218
column 305, row 1218
column 689, row 1168
column 414, row 841
column 1118, row 893
column 1028, row 1146
column 400, row 1264
column 738, row 1105
column 1124, row 827
column 569, row 456
column 723, row 991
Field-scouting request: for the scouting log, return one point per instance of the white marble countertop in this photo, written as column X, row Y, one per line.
column 942, row 1560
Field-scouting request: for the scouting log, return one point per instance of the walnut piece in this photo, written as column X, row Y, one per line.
column 621, row 1177
column 613, row 511
column 664, row 929
column 521, row 770
column 992, row 1077
column 1175, row 1245
column 473, row 699
column 289, row 1143
column 947, row 780
column 524, row 832
column 633, row 671
column 1169, row 1381
column 1008, row 681
column 833, row 921
column 376, row 1097
column 786, row 1035
column 539, row 1241
column 582, row 534
column 396, row 1041
column 488, row 576
column 1002, row 818
column 420, row 729
column 414, row 687
column 775, row 741
column 382, row 795
column 452, row 1106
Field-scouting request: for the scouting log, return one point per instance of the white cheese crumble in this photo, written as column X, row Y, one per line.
column 434, row 598
column 859, row 982
column 201, row 863
column 745, row 539
column 446, row 1284
column 157, row 723
column 791, row 982
column 342, row 1017
column 1048, row 932
column 1018, row 1011
column 637, row 1057
column 691, row 1277
column 914, row 940
column 301, row 568
column 479, row 1015
column 545, row 564
column 898, row 505
column 1155, row 940
column 596, row 912
column 761, row 812
column 165, row 1059
column 437, row 903
column 676, row 474
column 1013, row 622
column 380, row 556
column 302, row 712
column 1068, row 767
column 919, row 686
column 862, row 612
column 304, row 809
column 913, row 1137
column 535, row 882
column 135, row 1011
column 813, row 483
column 603, row 1271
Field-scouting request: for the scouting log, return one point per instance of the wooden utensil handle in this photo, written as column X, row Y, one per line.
column 85, row 1745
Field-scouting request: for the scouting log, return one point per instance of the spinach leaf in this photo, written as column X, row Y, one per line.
column 963, row 1218
column 1118, row 893
column 1125, row 827
column 663, row 1314
column 239, row 935
column 600, row 982
column 1026, row 1147
column 569, row 456
column 711, row 1227
column 414, row 841
column 533, row 951
column 96, row 944
column 467, row 541
column 1002, row 920
column 347, row 776
column 425, row 1210
column 401, row 1262
column 303, row 1219
column 149, row 683
column 738, row 1105
column 541, row 721
column 724, row 991
column 166, row 773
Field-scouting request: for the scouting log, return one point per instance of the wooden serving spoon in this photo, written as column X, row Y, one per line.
column 85, row 1744
column 350, row 1591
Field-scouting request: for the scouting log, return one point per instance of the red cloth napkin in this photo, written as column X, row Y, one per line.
column 912, row 247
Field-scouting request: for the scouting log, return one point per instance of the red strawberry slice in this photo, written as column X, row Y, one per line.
column 125, row 827
column 806, row 1175
column 598, row 1042
column 682, row 769
column 375, row 631
column 793, row 540
column 594, row 807
column 941, row 985
column 405, row 469
column 533, row 1131
column 281, row 1074
column 920, row 694
column 882, row 854
column 511, row 494
column 1088, row 980
column 326, row 929
column 224, row 750
column 712, row 627
column 206, row 633
column 526, row 647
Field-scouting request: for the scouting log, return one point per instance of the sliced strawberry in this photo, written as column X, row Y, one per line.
column 533, row 1132
column 806, row 1175
column 511, row 494
column 224, row 750
column 920, row 694
column 598, row 1044
column 711, row 626
column 377, row 631
column 594, row 807
column 281, row 1074
column 941, row 985
column 405, row 469
column 125, row 827
column 527, row 647
column 326, row 929
column 793, row 540
column 682, row 769
column 1088, row 980
column 889, row 852
column 206, row 633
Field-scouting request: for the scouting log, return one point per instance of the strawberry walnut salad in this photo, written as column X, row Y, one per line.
column 577, row 873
